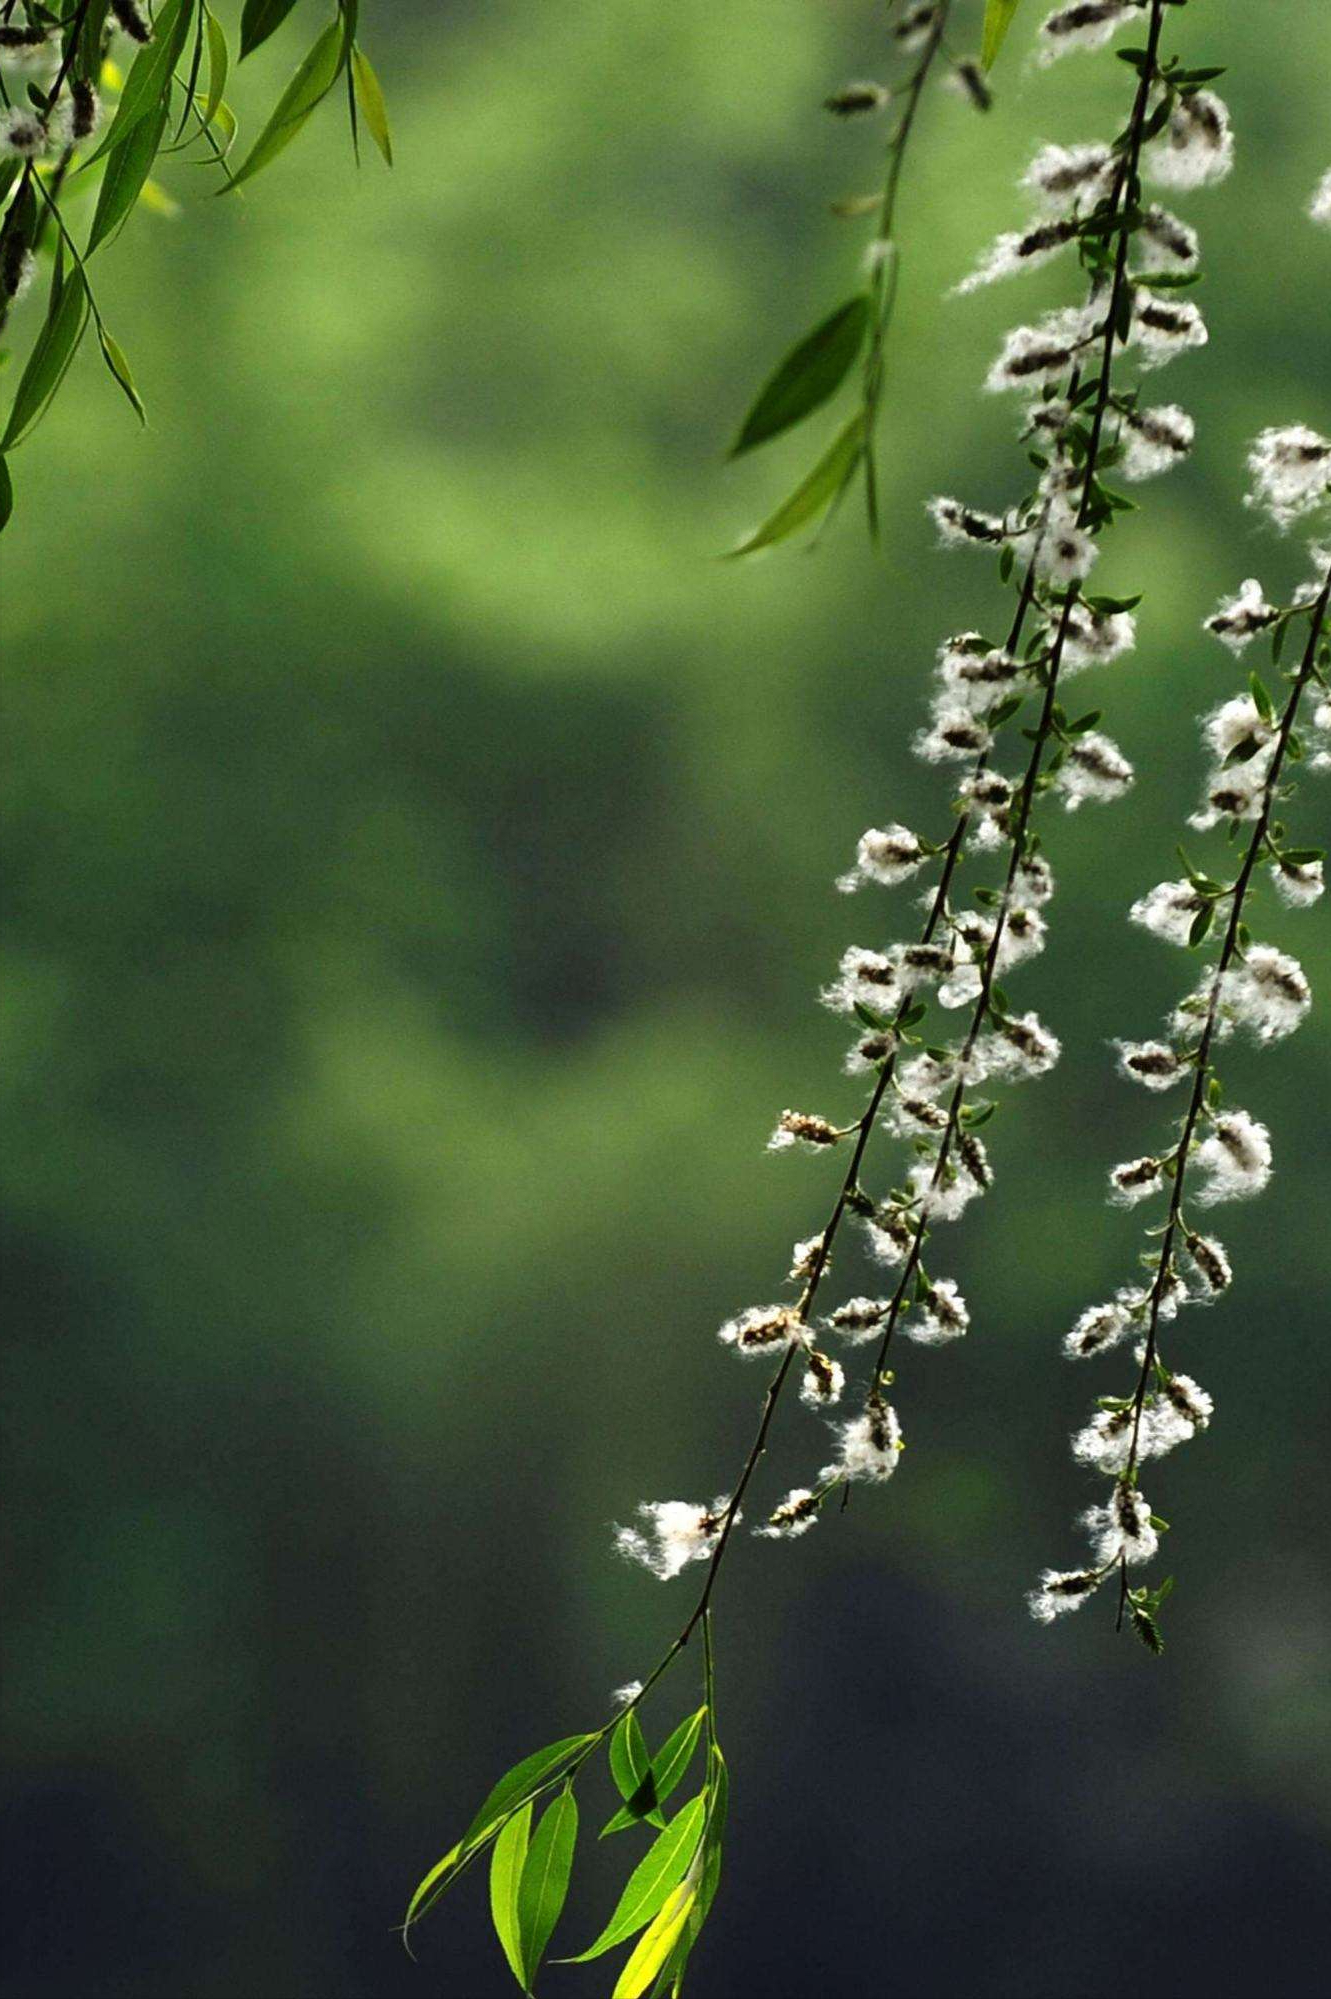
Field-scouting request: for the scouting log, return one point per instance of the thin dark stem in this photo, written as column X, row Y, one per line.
column 1123, row 185
column 1228, row 949
column 884, row 287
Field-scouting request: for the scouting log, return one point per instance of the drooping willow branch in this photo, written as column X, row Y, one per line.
column 856, row 333
column 1082, row 419
column 1220, row 1152
column 62, row 81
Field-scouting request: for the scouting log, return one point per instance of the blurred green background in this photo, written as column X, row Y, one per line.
column 419, row 874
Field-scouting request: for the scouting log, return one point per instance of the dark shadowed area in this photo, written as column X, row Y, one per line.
column 419, row 856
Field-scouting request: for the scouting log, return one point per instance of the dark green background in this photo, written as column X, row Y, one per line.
column 420, row 854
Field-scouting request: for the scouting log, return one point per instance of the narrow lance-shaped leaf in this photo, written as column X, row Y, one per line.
column 997, row 20
column 631, row 1768
column 114, row 356
column 814, row 492
column 126, row 171
column 53, row 350
column 258, row 20
column 308, row 87
column 811, row 372
column 148, row 84
column 664, row 1774
column 519, row 1784
column 506, row 1861
column 523, row 1781
column 544, row 1882
column 655, row 1945
column 661, row 1869
column 219, row 64
column 370, row 100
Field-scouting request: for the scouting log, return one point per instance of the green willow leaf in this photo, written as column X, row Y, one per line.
column 52, row 352
column 811, row 372
column 306, row 91
column 432, row 1885
column 219, row 65
column 631, row 1768
column 544, row 1883
column 148, row 85
column 997, row 20
column 114, row 356
column 126, row 170
column 370, row 100
column 506, row 1863
column 515, row 1788
column 259, row 19
column 523, row 1781
column 656, row 1944
column 663, row 1776
column 814, row 492
column 660, row 1870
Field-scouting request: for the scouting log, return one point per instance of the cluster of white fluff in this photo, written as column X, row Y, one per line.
column 1223, row 1152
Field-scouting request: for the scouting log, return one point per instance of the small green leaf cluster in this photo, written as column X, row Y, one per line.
column 670, row 1888
column 171, row 104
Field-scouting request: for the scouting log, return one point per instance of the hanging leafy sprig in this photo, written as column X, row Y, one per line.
column 853, row 336
column 1218, row 1152
column 74, row 118
column 1085, row 418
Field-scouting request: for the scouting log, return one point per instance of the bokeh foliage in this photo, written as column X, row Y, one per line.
column 419, row 855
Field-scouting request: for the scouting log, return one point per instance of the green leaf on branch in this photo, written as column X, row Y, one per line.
column 506, row 1863
column 259, row 19
column 52, row 352
column 306, row 91
column 998, row 17
column 660, row 1870
column 631, row 1768
column 516, row 1788
column 114, row 356
column 219, row 64
column 664, row 1774
column 815, row 491
column 656, row 1945
column 523, row 1781
column 148, row 85
column 370, row 102
column 811, row 372
column 544, row 1883
column 127, row 169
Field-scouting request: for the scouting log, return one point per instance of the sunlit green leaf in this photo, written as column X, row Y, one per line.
column 127, row 169
column 666, row 1771
column 114, row 356
column 810, row 373
column 52, row 352
column 258, row 20
column 814, row 492
column 370, row 99
column 631, row 1768
column 519, row 1784
column 544, row 1882
column 219, row 64
column 655, row 1944
column 661, row 1868
column 148, row 85
column 998, row 16
column 506, row 1862
column 308, row 87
